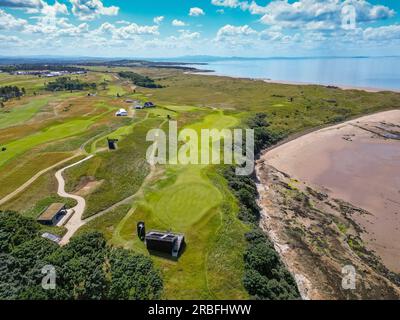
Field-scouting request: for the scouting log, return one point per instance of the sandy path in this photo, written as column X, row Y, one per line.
column 75, row 222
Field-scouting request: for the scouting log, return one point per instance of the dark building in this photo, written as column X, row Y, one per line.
column 166, row 242
column 141, row 231
column 112, row 144
column 52, row 214
column 149, row 105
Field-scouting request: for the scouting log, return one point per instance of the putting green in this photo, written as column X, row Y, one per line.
column 185, row 202
column 215, row 121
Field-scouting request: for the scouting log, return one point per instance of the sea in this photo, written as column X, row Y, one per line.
column 364, row 72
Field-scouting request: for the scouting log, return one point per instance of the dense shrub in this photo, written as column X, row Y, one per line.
column 265, row 275
column 139, row 80
column 68, row 84
column 86, row 268
column 263, row 136
column 39, row 67
column 9, row 92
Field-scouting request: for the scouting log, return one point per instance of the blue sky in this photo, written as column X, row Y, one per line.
column 170, row 28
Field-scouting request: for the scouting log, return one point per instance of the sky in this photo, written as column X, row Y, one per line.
column 173, row 28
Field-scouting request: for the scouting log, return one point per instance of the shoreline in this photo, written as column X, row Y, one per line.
column 294, row 83
column 335, row 162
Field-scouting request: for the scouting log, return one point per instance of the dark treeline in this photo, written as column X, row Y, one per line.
column 265, row 277
column 86, row 268
column 68, row 84
column 9, row 92
column 39, row 67
column 139, row 80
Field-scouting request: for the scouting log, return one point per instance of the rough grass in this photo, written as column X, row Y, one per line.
column 122, row 171
column 106, row 223
column 15, row 174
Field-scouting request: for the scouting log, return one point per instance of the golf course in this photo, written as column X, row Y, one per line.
column 45, row 131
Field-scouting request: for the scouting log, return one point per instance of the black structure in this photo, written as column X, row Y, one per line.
column 112, row 144
column 141, row 231
column 166, row 242
column 149, row 104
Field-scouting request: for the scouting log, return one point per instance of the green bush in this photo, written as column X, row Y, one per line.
column 86, row 268
column 68, row 84
column 139, row 80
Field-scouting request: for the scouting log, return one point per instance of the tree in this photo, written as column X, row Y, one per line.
column 86, row 268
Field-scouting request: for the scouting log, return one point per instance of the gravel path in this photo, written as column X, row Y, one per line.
column 75, row 222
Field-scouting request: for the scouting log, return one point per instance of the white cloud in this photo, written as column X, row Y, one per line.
column 382, row 33
column 195, row 12
column 158, row 20
column 187, row 35
column 126, row 32
column 92, row 9
column 51, row 11
column 36, row 6
column 229, row 31
column 309, row 14
column 220, row 11
column 178, row 23
column 226, row 3
column 9, row 22
column 22, row 4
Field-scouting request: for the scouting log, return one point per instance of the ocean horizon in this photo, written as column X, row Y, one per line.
column 363, row 72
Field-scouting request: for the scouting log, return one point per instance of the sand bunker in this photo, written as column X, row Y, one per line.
column 359, row 162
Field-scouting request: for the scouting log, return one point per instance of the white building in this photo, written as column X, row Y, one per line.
column 121, row 113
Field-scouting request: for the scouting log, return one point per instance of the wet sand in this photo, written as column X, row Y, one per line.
column 353, row 164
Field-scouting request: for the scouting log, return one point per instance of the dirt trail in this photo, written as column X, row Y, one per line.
column 75, row 222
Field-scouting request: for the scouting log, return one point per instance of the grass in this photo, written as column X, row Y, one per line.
column 188, row 201
column 115, row 89
column 22, row 113
column 122, row 171
column 52, row 133
column 193, row 199
column 196, row 201
column 60, row 131
column 16, row 174
column 106, row 223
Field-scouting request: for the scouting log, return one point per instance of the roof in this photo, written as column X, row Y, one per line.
column 51, row 237
column 51, row 211
column 162, row 236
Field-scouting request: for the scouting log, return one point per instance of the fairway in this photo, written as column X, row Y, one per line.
column 23, row 113
column 186, row 200
column 60, row 131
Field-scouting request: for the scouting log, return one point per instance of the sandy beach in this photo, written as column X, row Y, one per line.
column 353, row 161
column 343, row 87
